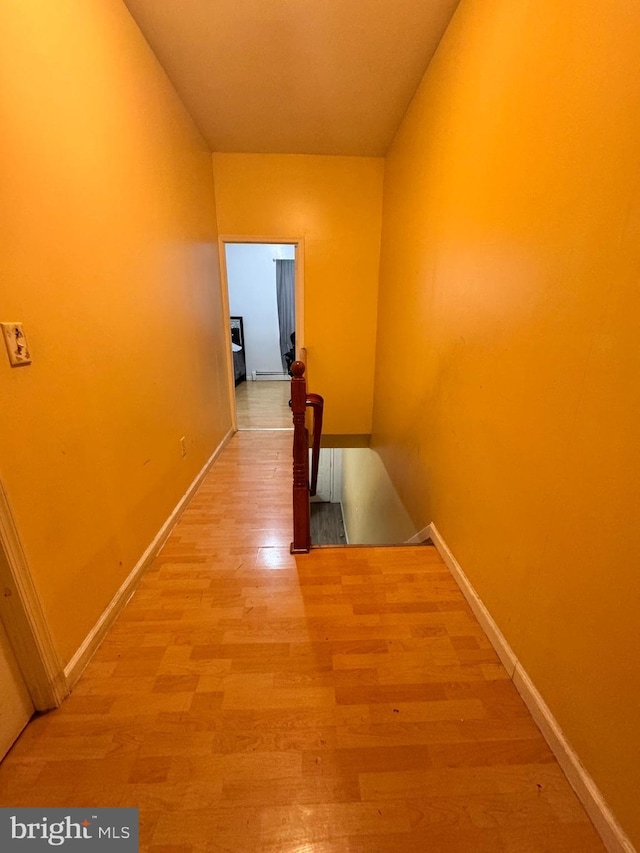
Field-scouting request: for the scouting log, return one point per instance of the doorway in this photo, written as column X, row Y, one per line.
column 16, row 707
column 263, row 293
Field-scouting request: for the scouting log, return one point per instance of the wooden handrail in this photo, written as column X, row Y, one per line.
column 300, row 400
column 316, row 402
column 301, row 521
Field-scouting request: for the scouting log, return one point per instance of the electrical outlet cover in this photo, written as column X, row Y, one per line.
column 16, row 342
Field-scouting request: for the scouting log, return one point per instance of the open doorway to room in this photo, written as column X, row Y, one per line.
column 262, row 289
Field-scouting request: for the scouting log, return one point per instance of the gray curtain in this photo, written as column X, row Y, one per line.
column 285, row 293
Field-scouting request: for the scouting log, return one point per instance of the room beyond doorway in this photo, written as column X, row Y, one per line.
column 261, row 284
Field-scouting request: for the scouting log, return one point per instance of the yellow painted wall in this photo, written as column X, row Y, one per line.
column 335, row 204
column 510, row 272
column 372, row 512
column 109, row 257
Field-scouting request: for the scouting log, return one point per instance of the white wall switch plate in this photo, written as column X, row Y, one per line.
column 16, row 342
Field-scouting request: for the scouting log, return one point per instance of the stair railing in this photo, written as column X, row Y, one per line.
column 303, row 487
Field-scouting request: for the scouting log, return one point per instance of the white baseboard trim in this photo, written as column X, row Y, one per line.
column 76, row 666
column 420, row 537
column 502, row 647
column 269, row 376
column 346, row 532
column 605, row 822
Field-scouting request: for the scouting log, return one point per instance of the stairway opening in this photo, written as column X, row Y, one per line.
column 356, row 502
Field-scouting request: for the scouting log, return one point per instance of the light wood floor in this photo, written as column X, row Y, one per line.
column 346, row 701
column 263, row 405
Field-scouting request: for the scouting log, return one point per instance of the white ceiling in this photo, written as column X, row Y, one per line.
column 295, row 76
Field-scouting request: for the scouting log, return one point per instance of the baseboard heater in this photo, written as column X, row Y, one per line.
column 270, row 375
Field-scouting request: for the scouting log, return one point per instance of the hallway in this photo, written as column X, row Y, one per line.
column 263, row 405
column 341, row 702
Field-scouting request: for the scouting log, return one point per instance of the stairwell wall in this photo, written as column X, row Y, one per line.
column 510, row 264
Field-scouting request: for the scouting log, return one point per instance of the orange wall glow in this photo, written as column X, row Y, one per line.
column 109, row 259
column 335, row 204
column 509, row 269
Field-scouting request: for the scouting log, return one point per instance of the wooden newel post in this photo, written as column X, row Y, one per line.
column 301, row 523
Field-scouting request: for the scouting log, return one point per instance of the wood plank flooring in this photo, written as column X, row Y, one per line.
column 327, row 524
column 263, row 405
column 344, row 701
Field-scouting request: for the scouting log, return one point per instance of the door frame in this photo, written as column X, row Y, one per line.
column 298, row 242
column 24, row 619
